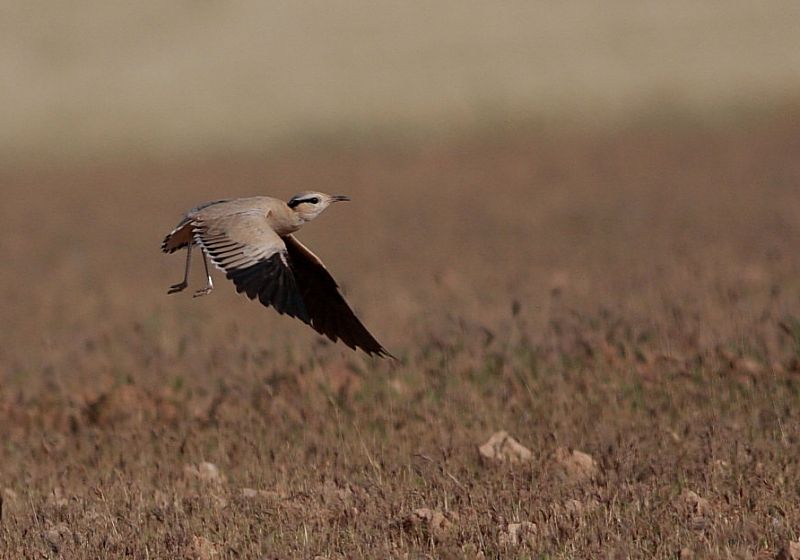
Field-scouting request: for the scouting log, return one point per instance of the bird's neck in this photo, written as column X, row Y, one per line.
column 288, row 222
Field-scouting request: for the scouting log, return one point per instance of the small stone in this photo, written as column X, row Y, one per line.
column 695, row 505
column 577, row 466
column 399, row 386
column 518, row 534
column 749, row 365
column 205, row 472
column 126, row 404
column 470, row 551
column 270, row 495
column 432, row 521
column 721, row 466
column 249, row 493
column 57, row 498
column 57, row 536
column 576, row 508
column 673, row 434
column 502, row 447
column 202, row 549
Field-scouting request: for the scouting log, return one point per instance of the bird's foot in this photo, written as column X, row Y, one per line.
column 177, row 287
column 204, row 291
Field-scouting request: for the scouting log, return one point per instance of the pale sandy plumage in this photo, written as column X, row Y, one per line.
column 250, row 239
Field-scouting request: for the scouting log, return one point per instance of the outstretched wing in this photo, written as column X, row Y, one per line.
column 254, row 257
column 329, row 313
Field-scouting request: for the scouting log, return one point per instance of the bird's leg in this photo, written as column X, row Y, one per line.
column 179, row 287
column 209, row 283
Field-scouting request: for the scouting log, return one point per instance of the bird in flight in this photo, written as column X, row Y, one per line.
column 251, row 240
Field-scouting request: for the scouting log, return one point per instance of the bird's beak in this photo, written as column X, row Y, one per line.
column 340, row 198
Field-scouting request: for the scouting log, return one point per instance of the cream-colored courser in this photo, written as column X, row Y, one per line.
column 251, row 241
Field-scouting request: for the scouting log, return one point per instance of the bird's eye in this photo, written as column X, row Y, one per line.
column 314, row 200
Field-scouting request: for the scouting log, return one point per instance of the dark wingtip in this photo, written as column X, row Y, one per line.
column 382, row 353
column 389, row 355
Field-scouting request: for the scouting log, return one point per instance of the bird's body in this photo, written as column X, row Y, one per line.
column 250, row 239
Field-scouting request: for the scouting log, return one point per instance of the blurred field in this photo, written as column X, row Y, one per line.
column 153, row 80
column 632, row 294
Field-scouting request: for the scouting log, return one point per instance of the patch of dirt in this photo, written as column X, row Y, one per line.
column 504, row 448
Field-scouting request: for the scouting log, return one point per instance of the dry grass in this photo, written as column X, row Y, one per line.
column 634, row 296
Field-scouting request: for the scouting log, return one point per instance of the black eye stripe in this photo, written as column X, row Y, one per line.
column 295, row 201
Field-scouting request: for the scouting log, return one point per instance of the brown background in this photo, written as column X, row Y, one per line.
column 625, row 176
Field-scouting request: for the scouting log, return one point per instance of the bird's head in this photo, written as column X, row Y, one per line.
column 309, row 205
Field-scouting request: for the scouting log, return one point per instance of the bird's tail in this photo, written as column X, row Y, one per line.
column 178, row 238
